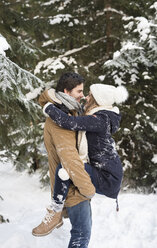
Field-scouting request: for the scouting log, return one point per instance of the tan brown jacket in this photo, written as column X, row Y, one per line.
column 61, row 148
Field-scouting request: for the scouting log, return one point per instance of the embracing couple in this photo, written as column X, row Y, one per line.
column 81, row 152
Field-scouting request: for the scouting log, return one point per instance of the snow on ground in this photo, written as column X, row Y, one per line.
column 134, row 226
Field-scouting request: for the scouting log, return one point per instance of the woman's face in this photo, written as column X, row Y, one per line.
column 88, row 97
column 90, row 102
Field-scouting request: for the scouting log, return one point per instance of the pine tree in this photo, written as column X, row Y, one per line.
column 135, row 65
column 20, row 122
column 49, row 37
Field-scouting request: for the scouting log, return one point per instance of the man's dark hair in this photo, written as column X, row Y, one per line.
column 69, row 81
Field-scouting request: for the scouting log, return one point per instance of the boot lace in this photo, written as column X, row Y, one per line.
column 47, row 219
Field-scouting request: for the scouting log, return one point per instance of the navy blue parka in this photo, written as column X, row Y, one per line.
column 102, row 154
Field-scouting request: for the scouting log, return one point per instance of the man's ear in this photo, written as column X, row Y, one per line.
column 66, row 91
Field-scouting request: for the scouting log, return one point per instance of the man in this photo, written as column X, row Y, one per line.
column 61, row 148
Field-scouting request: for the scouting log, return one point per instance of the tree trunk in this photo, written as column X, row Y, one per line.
column 109, row 40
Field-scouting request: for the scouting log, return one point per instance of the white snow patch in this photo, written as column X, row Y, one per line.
column 33, row 94
column 101, row 77
column 50, row 2
column 47, row 43
column 143, row 27
column 154, row 126
column 59, row 18
column 118, row 80
column 154, row 159
column 126, row 130
column 127, row 164
column 154, row 6
column 146, row 76
column 25, row 204
column 116, row 54
column 129, row 26
column 70, row 24
column 3, row 45
column 129, row 46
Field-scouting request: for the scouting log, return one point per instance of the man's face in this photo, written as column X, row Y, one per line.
column 76, row 92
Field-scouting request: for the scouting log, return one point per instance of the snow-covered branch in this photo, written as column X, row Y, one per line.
column 54, row 64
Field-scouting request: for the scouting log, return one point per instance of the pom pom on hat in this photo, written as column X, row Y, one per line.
column 121, row 94
column 63, row 174
column 106, row 95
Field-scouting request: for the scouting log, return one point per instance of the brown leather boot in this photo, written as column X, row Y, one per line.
column 65, row 213
column 51, row 221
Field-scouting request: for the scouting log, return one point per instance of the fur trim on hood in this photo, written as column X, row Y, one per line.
column 48, row 96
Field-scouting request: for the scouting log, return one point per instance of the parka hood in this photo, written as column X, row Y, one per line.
column 114, row 120
column 48, row 96
column 112, row 113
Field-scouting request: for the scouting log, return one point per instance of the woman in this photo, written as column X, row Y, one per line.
column 100, row 121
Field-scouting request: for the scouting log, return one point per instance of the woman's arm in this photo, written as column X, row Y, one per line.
column 90, row 123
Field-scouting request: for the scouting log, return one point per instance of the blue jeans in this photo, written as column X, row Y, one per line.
column 79, row 215
column 81, row 221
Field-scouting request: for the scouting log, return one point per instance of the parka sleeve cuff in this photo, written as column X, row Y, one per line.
column 44, row 108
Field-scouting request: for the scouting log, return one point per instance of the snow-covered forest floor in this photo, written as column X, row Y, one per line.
column 134, row 226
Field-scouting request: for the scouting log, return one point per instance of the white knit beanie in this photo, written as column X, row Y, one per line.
column 106, row 95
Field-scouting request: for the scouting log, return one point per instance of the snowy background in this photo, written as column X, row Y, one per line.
column 24, row 201
column 114, row 43
column 24, row 204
